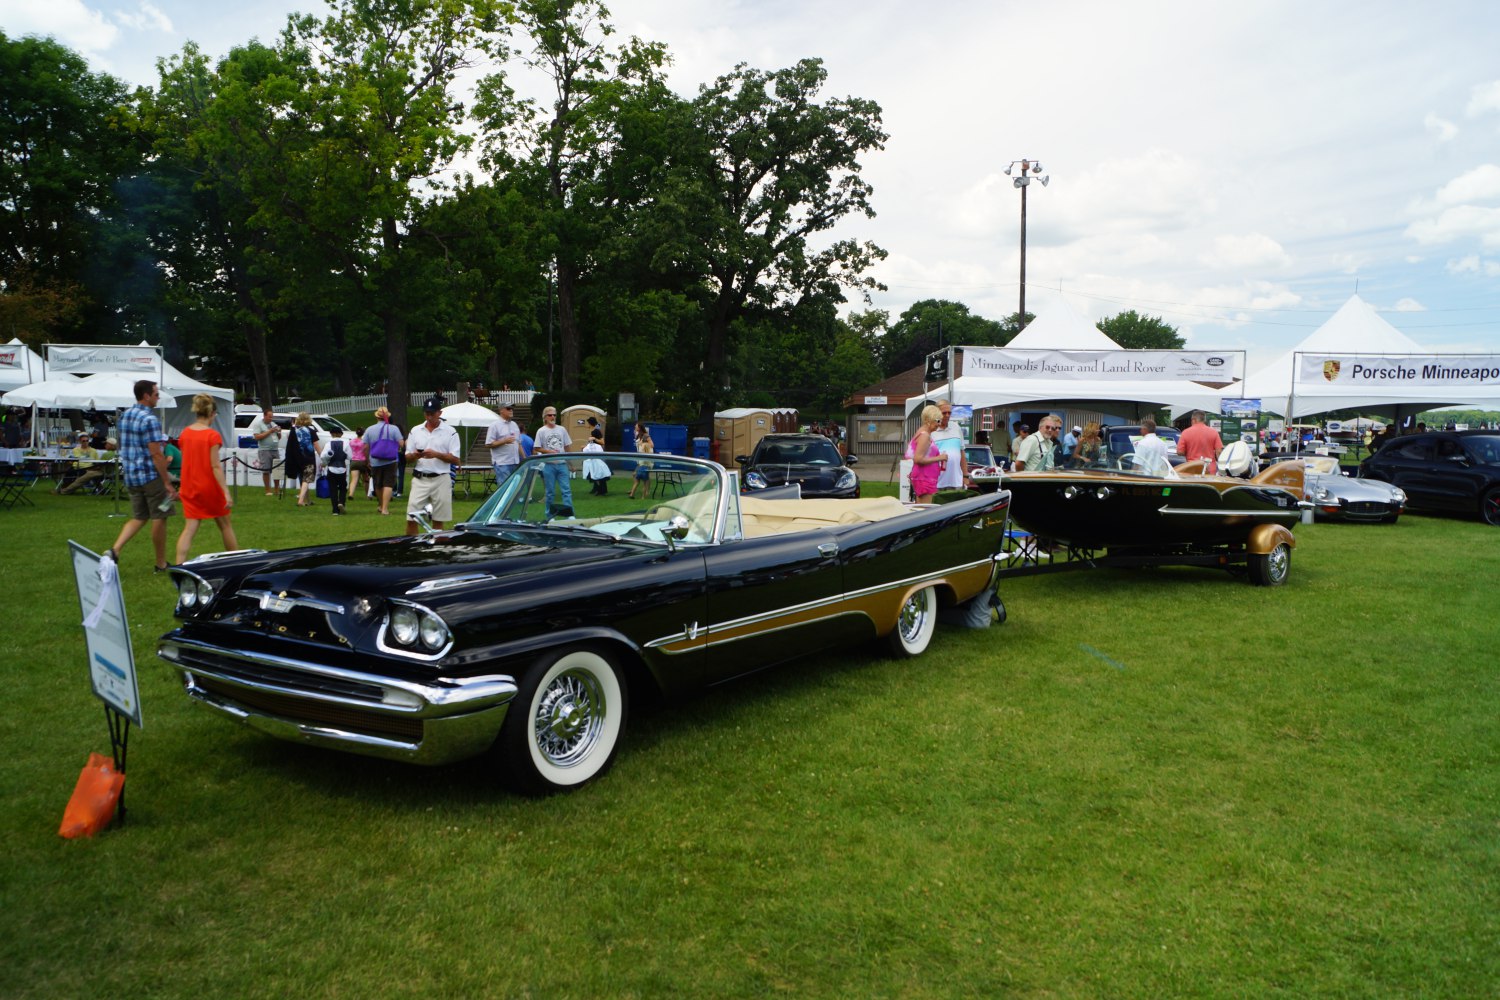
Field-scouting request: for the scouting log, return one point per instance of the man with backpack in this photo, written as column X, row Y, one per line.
column 335, row 460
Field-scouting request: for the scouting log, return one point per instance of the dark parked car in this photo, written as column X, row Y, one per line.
column 525, row 631
column 1456, row 471
column 810, row 460
column 1120, row 439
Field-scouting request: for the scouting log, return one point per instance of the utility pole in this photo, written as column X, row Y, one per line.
column 1029, row 168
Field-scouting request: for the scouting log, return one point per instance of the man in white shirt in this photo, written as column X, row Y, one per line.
column 432, row 451
column 503, row 439
column 1151, row 452
column 554, row 440
column 267, row 436
column 949, row 438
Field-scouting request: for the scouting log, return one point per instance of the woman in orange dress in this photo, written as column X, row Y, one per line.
column 204, row 495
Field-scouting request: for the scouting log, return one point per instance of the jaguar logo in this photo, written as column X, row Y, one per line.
column 1331, row 370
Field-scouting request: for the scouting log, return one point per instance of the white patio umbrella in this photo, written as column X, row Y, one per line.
column 469, row 415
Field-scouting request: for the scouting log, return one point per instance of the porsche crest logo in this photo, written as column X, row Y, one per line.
column 1331, row 370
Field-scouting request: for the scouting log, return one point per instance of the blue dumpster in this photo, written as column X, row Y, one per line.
column 669, row 439
column 701, row 447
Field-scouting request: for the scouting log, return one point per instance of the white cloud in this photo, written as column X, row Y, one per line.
column 1442, row 129
column 1480, row 184
column 1473, row 264
column 1459, row 222
column 148, row 16
column 1483, row 99
column 1409, row 306
column 71, row 22
column 1254, row 251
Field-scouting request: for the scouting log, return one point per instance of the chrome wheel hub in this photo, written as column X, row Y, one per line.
column 569, row 717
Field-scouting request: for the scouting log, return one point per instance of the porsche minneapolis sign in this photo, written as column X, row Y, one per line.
column 1443, row 370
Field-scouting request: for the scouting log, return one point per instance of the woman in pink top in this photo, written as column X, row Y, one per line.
column 359, row 459
column 927, row 461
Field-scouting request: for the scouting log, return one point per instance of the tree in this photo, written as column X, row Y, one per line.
column 67, row 136
column 570, row 148
column 778, row 167
column 1129, row 329
column 384, row 126
column 930, row 325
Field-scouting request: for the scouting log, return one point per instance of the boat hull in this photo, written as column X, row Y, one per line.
column 1098, row 509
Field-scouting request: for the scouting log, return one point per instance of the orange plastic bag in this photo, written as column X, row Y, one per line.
column 94, row 798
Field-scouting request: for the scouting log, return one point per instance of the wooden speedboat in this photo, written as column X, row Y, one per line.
column 1188, row 517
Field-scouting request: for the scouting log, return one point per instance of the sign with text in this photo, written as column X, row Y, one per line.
column 1102, row 366
column 1446, row 371
column 142, row 360
column 106, row 633
column 937, row 367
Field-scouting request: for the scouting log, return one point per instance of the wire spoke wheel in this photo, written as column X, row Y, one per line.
column 915, row 623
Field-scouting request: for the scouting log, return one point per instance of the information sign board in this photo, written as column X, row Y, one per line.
column 106, row 632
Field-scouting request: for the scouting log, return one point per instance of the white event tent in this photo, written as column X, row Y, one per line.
column 19, row 366
column 1358, row 331
column 1062, row 328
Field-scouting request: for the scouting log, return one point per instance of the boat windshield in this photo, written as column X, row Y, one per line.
column 623, row 495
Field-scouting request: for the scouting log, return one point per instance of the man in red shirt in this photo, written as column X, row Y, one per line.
column 1200, row 441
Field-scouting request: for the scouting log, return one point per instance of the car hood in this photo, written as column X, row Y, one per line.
column 393, row 566
column 1352, row 489
column 810, row 476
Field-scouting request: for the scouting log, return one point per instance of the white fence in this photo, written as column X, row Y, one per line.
column 354, row 404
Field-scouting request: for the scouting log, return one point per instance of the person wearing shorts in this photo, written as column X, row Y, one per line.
column 144, row 464
column 432, row 449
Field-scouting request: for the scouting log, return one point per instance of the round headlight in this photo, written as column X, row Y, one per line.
column 404, row 625
column 755, row 480
column 434, row 632
column 187, row 591
column 205, row 593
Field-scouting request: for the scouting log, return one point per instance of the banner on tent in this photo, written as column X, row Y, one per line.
column 1102, row 366
column 1403, row 370
column 141, row 360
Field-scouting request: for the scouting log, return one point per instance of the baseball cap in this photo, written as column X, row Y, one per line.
column 433, row 405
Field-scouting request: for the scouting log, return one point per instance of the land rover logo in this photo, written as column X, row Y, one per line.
column 1331, row 370
column 1216, row 362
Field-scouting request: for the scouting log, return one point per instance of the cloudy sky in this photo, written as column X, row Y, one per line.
column 1237, row 169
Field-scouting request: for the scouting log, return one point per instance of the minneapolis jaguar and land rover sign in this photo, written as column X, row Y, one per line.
column 1105, row 366
column 1404, row 370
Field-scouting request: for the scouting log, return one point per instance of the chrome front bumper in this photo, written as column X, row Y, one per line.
column 428, row 722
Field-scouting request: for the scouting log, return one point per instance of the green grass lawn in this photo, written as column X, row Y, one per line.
column 1143, row 784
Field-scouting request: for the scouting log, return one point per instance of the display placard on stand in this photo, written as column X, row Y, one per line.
column 106, row 634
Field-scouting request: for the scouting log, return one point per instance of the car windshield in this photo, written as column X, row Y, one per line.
column 592, row 491
column 1485, row 450
column 812, row 451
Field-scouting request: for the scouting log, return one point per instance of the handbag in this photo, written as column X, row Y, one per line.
column 385, row 448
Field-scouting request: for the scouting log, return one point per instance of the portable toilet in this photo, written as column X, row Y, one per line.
column 575, row 420
column 739, row 430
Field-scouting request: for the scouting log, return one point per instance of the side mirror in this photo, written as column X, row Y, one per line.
column 742, row 459
column 851, row 459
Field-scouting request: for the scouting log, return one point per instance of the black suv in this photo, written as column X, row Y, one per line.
column 811, row 460
column 1443, row 470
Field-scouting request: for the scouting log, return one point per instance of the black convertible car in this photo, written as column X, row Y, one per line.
column 524, row 631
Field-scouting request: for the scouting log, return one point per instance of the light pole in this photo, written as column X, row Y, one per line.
column 1028, row 169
